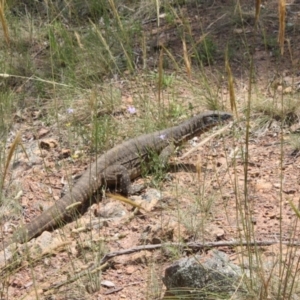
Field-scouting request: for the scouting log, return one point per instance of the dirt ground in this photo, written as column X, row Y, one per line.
column 211, row 196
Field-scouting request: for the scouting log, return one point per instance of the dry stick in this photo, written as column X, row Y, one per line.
column 215, row 21
column 205, row 141
column 115, row 290
column 191, row 245
column 195, row 245
column 122, row 287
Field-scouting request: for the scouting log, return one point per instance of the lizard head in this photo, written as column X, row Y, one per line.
column 214, row 117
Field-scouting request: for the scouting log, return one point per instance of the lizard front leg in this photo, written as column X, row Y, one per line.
column 117, row 176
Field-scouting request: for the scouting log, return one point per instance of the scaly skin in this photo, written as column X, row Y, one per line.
column 123, row 162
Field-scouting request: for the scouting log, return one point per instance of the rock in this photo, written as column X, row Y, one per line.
column 148, row 200
column 201, row 276
column 107, row 283
column 111, row 210
column 8, row 255
column 44, row 244
column 216, row 233
column 43, row 241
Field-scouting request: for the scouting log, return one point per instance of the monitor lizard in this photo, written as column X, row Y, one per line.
column 118, row 165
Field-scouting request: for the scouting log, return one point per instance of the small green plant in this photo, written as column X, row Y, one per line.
column 63, row 53
column 166, row 79
column 271, row 45
column 170, row 13
column 156, row 166
column 175, row 110
column 103, row 129
column 205, row 52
